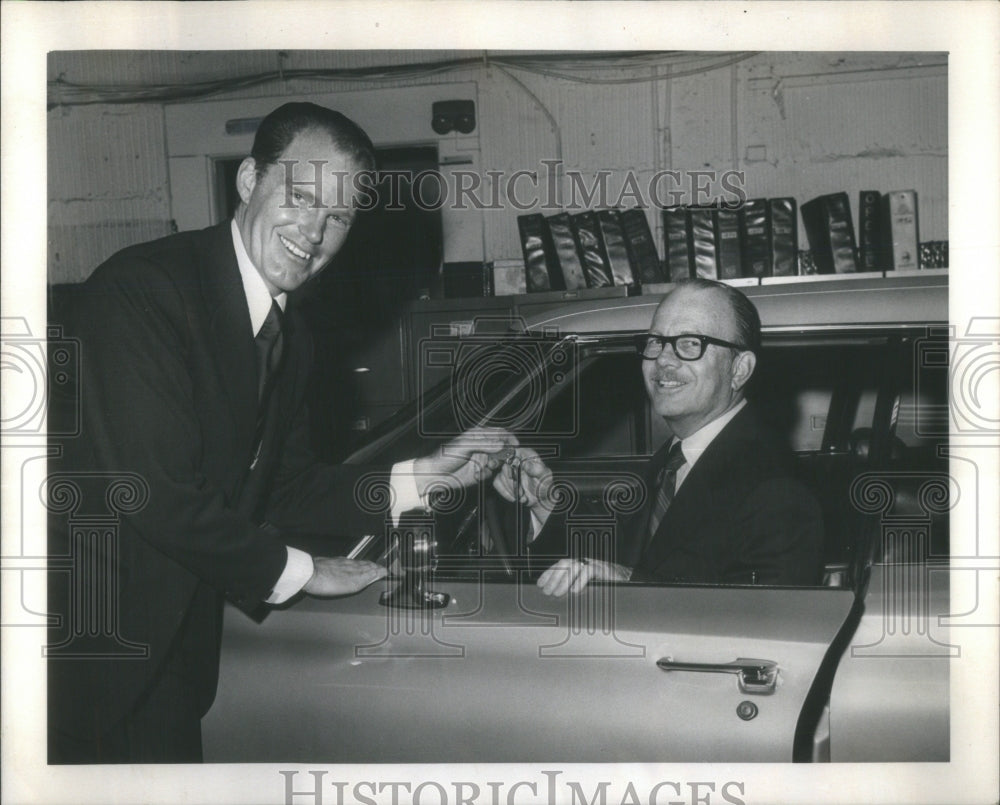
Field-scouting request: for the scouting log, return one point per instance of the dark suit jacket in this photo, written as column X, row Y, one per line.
column 169, row 400
column 740, row 517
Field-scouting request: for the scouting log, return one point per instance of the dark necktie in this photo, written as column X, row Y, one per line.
column 269, row 348
column 666, row 480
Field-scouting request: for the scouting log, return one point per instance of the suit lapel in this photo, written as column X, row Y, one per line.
column 720, row 457
column 232, row 342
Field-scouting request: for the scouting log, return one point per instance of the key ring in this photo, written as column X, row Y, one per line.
column 510, row 457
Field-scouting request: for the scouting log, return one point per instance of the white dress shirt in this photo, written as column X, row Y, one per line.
column 696, row 444
column 299, row 567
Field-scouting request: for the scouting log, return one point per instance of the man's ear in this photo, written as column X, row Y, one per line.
column 743, row 366
column 246, row 179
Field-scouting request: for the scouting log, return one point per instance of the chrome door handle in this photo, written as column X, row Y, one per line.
column 754, row 676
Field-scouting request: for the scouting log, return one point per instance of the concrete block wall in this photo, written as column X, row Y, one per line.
column 797, row 124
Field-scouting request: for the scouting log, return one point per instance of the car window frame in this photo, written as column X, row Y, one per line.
column 890, row 340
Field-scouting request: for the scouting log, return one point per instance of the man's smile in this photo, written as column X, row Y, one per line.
column 293, row 249
column 668, row 383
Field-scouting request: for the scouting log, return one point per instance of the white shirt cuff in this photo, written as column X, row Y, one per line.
column 404, row 490
column 299, row 567
column 537, row 523
column 298, row 570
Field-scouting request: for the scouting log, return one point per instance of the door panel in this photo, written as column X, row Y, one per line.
column 505, row 674
column 891, row 696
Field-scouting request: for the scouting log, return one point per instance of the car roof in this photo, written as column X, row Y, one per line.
column 903, row 301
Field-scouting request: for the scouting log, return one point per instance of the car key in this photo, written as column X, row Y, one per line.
column 513, row 460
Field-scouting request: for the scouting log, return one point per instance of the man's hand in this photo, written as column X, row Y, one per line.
column 572, row 575
column 341, row 576
column 464, row 460
column 535, row 482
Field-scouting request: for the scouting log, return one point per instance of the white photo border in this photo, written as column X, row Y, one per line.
column 968, row 32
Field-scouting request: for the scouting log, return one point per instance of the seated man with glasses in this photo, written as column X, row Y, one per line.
column 723, row 503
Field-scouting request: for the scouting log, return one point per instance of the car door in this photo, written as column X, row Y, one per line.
column 499, row 672
column 502, row 673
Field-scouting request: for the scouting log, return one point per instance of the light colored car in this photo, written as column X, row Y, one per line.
column 460, row 658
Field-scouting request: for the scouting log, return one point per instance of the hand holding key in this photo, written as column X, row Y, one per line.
column 524, row 477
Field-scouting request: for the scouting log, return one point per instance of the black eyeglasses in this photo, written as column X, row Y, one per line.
column 686, row 346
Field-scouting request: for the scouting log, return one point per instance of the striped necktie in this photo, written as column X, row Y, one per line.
column 666, row 480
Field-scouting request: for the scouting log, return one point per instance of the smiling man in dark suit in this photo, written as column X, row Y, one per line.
column 724, row 504
column 193, row 383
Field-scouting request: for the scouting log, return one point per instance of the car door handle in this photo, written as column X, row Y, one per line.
column 754, row 676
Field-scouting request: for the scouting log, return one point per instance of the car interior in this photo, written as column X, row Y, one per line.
column 845, row 403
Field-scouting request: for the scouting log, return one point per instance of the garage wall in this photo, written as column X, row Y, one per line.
column 107, row 183
column 793, row 124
